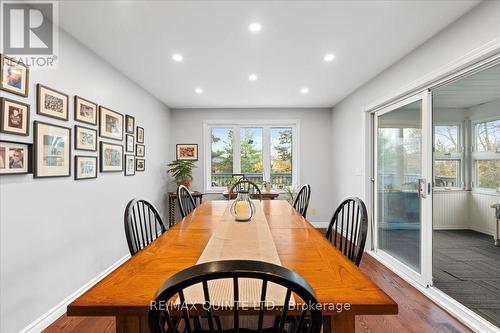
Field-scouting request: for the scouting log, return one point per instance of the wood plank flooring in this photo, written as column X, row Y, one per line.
column 417, row 314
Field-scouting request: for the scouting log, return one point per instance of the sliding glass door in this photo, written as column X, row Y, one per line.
column 402, row 186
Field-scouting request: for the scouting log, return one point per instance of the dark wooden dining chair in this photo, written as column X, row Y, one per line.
column 302, row 200
column 348, row 229
column 143, row 224
column 245, row 185
column 162, row 316
column 185, row 200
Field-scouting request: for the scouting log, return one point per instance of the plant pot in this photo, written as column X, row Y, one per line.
column 185, row 183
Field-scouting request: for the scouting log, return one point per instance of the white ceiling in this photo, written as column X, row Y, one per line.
column 139, row 38
column 479, row 88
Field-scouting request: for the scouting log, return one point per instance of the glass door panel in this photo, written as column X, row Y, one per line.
column 399, row 175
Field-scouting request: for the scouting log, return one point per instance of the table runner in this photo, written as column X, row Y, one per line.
column 233, row 240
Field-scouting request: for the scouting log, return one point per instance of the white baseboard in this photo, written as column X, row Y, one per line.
column 320, row 224
column 463, row 314
column 451, row 227
column 57, row 311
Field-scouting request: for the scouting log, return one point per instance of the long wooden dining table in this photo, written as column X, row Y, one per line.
column 342, row 289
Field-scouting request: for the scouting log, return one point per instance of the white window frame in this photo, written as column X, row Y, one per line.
column 456, row 156
column 481, row 155
column 236, row 125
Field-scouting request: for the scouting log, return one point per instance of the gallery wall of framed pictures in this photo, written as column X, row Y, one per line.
column 95, row 136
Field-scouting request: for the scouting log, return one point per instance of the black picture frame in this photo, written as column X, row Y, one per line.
column 137, row 161
column 132, row 129
column 181, row 158
column 139, row 137
column 77, row 102
column 29, row 158
column 77, row 147
column 126, row 163
column 137, row 146
column 39, row 111
column 36, row 133
column 127, row 138
column 3, row 111
column 77, row 157
column 101, row 164
column 24, row 93
column 102, row 132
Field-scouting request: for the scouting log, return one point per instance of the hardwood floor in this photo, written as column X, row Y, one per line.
column 416, row 312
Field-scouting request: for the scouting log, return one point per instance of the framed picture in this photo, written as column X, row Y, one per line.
column 110, row 124
column 85, row 111
column 51, row 103
column 85, row 167
column 85, row 138
column 129, row 165
column 111, row 157
column 129, row 143
column 140, row 134
column 129, row 124
column 15, row 158
column 52, row 150
column 140, row 150
column 187, row 152
column 15, row 117
column 140, row 164
column 14, row 76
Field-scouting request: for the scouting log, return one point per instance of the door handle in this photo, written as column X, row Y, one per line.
column 422, row 188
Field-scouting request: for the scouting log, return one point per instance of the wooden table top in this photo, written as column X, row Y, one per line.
column 129, row 289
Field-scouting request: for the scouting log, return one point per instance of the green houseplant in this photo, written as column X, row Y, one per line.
column 182, row 172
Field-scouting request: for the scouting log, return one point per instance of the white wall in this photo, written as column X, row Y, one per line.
column 473, row 30
column 57, row 234
column 315, row 146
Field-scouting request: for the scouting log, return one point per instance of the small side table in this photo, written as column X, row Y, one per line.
column 172, row 196
column 497, row 215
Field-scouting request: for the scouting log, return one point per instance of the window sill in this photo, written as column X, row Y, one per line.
column 485, row 191
column 451, row 189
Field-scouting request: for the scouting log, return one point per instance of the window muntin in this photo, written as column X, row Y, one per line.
column 486, row 155
column 281, row 157
column 448, row 156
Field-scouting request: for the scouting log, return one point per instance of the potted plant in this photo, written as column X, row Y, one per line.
column 182, row 172
column 231, row 182
column 290, row 192
column 266, row 186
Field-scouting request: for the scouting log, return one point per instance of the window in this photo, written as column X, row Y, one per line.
column 281, row 157
column 448, row 156
column 222, row 155
column 261, row 152
column 251, row 163
column 486, row 155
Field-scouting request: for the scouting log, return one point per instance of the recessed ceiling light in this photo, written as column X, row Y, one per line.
column 198, row 91
column 329, row 57
column 304, row 90
column 177, row 57
column 255, row 27
column 252, row 77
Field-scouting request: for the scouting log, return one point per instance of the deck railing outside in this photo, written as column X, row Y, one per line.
column 278, row 180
